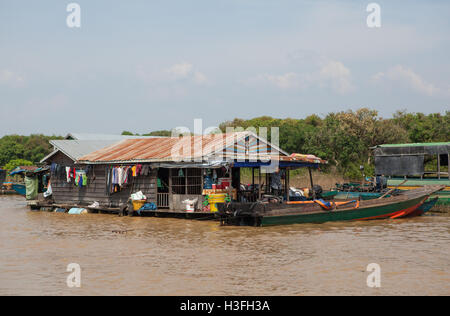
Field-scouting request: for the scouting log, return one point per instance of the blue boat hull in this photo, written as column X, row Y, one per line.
column 20, row 189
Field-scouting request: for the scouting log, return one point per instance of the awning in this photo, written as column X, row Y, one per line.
column 210, row 165
column 281, row 164
column 243, row 164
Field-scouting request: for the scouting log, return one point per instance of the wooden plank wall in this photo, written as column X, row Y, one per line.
column 68, row 193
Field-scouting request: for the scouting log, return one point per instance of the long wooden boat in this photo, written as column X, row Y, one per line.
column 319, row 211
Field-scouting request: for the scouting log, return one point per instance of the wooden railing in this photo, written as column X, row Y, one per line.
column 162, row 200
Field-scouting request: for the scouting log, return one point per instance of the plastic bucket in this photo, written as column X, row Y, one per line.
column 216, row 198
column 137, row 204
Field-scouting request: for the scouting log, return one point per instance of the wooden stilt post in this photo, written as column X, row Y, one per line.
column 170, row 202
column 439, row 166
column 287, row 179
column 253, row 178
column 312, row 183
column 259, row 183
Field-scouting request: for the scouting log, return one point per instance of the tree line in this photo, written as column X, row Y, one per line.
column 343, row 138
column 16, row 150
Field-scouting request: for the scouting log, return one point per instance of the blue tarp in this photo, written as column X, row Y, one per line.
column 147, row 207
column 17, row 171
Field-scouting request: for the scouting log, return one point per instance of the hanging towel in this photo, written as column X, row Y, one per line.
column 145, row 170
column 49, row 191
column 138, row 170
column 68, row 173
column 53, row 168
column 120, row 176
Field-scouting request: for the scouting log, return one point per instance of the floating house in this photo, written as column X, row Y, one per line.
column 167, row 170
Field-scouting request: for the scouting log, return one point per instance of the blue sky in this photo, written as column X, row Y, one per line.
column 150, row 65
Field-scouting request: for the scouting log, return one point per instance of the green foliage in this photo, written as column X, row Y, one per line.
column 13, row 164
column 165, row 133
column 345, row 138
column 32, row 148
column 159, row 133
column 292, row 132
column 425, row 128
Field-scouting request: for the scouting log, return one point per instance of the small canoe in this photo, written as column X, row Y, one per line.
column 19, row 188
column 329, row 195
column 356, row 195
column 267, row 214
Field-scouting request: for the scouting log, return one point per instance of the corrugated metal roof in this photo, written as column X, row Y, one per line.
column 75, row 149
column 166, row 149
column 87, row 136
column 412, row 149
column 415, row 145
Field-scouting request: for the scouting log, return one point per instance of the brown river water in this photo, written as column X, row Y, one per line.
column 158, row 256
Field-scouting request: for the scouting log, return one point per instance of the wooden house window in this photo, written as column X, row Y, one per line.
column 186, row 181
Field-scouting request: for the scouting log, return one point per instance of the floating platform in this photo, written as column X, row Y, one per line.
column 46, row 206
column 8, row 192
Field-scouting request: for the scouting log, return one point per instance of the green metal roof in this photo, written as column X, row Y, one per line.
column 415, row 144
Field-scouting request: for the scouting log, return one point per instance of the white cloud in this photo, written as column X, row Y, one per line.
column 407, row 78
column 11, row 79
column 177, row 74
column 186, row 71
column 328, row 74
column 338, row 76
column 180, row 71
column 286, row 81
column 200, row 78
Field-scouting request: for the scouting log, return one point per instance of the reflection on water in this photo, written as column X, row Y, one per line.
column 156, row 256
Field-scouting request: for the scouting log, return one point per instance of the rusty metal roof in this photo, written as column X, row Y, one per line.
column 168, row 149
